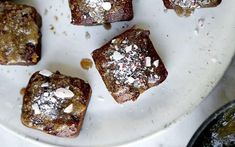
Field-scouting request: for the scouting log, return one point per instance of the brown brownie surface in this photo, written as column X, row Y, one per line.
column 55, row 103
column 93, row 12
column 129, row 65
column 20, row 38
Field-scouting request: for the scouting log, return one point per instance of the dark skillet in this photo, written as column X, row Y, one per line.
column 218, row 130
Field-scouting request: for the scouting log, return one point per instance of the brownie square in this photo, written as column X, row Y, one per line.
column 20, row 37
column 94, row 12
column 129, row 65
column 191, row 4
column 55, row 104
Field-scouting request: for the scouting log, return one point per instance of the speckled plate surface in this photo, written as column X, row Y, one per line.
column 196, row 58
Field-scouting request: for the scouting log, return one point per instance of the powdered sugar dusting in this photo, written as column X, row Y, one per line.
column 117, row 56
column 128, row 48
column 190, row 3
column 187, row 7
column 130, row 80
column 129, row 63
column 49, row 101
column 106, row 6
column 97, row 9
column 36, row 109
column 47, row 105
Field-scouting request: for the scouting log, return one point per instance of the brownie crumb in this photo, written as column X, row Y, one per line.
column 45, row 12
column 87, row 35
column 56, row 18
column 52, row 27
column 86, row 63
column 22, row 91
column 65, row 33
column 107, row 26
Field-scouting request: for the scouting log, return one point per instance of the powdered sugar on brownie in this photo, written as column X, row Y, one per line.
column 97, row 9
column 48, row 101
column 36, row 109
column 56, row 104
column 129, row 63
column 47, row 104
column 117, row 56
column 50, row 98
column 96, row 12
column 190, row 3
column 106, row 6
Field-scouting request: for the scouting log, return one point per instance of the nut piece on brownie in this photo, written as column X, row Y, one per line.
column 20, row 38
column 55, row 104
column 129, row 65
column 94, row 12
column 186, row 7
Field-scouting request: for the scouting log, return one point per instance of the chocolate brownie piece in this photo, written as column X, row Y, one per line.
column 20, row 37
column 93, row 12
column 186, row 7
column 169, row 4
column 55, row 103
column 129, row 65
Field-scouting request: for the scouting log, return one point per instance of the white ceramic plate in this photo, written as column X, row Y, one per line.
column 195, row 62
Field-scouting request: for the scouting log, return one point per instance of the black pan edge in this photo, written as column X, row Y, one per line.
column 208, row 121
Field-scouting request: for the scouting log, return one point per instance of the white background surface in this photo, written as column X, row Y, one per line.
column 178, row 134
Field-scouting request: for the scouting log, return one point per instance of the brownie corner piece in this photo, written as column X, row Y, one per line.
column 95, row 12
column 55, row 104
column 20, row 36
column 129, row 65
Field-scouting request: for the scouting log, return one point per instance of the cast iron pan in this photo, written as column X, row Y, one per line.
column 218, row 130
